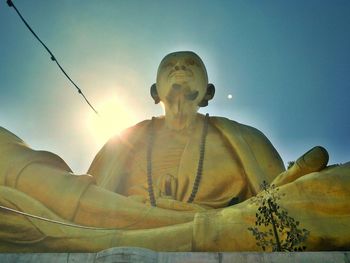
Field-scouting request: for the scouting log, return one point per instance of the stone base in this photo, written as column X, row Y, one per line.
column 141, row 255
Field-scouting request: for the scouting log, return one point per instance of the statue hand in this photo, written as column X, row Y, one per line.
column 172, row 204
column 138, row 198
column 314, row 160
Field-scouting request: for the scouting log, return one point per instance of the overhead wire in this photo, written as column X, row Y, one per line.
column 75, row 225
column 52, row 220
column 53, row 58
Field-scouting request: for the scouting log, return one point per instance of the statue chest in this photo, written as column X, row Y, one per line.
column 175, row 159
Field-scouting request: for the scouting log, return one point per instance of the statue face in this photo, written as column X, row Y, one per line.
column 181, row 84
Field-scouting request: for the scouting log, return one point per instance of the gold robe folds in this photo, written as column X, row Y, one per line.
column 40, row 183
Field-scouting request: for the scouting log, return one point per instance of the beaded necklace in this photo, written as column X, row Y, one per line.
column 199, row 167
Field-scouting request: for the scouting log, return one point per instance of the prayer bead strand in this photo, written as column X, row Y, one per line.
column 200, row 162
column 199, row 168
column 149, row 164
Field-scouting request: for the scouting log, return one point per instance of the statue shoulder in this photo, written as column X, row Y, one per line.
column 129, row 134
column 110, row 159
column 253, row 136
column 137, row 127
column 250, row 141
column 228, row 124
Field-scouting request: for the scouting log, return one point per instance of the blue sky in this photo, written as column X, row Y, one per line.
column 286, row 64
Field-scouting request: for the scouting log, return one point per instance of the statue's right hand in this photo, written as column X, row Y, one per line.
column 172, row 204
column 138, row 198
column 314, row 160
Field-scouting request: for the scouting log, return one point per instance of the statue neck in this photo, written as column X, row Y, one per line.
column 181, row 126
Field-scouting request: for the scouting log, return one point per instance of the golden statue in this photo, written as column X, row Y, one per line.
column 180, row 182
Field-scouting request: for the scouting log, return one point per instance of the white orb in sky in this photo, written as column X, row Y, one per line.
column 229, row 96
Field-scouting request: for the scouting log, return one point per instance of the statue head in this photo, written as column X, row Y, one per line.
column 182, row 86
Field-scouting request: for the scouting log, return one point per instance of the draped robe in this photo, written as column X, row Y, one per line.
column 228, row 142
column 41, row 183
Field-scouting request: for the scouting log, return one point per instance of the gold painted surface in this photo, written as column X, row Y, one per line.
column 114, row 194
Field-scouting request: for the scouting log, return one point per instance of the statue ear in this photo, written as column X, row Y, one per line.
column 154, row 94
column 208, row 95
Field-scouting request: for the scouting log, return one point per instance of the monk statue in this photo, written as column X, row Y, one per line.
column 180, row 182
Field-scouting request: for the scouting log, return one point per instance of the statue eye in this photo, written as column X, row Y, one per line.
column 169, row 64
column 190, row 62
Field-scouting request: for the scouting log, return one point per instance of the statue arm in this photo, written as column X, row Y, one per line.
column 45, row 177
column 259, row 159
column 265, row 153
column 107, row 166
column 269, row 160
column 171, row 204
column 314, row 160
column 319, row 201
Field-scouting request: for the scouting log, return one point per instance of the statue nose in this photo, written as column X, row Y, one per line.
column 177, row 105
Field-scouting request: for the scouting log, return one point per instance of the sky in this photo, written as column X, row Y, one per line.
column 280, row 66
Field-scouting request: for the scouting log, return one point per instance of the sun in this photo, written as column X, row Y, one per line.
column 113, row 117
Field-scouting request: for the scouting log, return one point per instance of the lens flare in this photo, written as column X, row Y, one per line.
column 114, row 116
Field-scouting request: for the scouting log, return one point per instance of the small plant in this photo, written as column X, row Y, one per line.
column 273, row 227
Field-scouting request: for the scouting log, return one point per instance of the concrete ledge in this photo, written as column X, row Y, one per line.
column 141, row 255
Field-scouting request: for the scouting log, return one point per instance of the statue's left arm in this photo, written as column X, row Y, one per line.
column 264, row 152
column 319, row 201
column 259, row 159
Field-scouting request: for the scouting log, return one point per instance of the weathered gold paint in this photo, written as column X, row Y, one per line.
column 114, row 192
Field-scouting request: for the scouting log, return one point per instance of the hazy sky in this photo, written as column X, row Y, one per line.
column 285, row 63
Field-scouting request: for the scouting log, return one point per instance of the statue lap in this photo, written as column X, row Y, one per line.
column 318, row 200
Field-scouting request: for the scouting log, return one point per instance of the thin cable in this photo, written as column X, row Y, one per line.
column 52, row 220
column 68, row 224
column 53, row 58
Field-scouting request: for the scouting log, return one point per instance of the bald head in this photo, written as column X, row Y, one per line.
column 181, row 85
column 190, row 58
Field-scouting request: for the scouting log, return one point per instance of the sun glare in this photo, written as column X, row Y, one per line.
column 113, row 117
